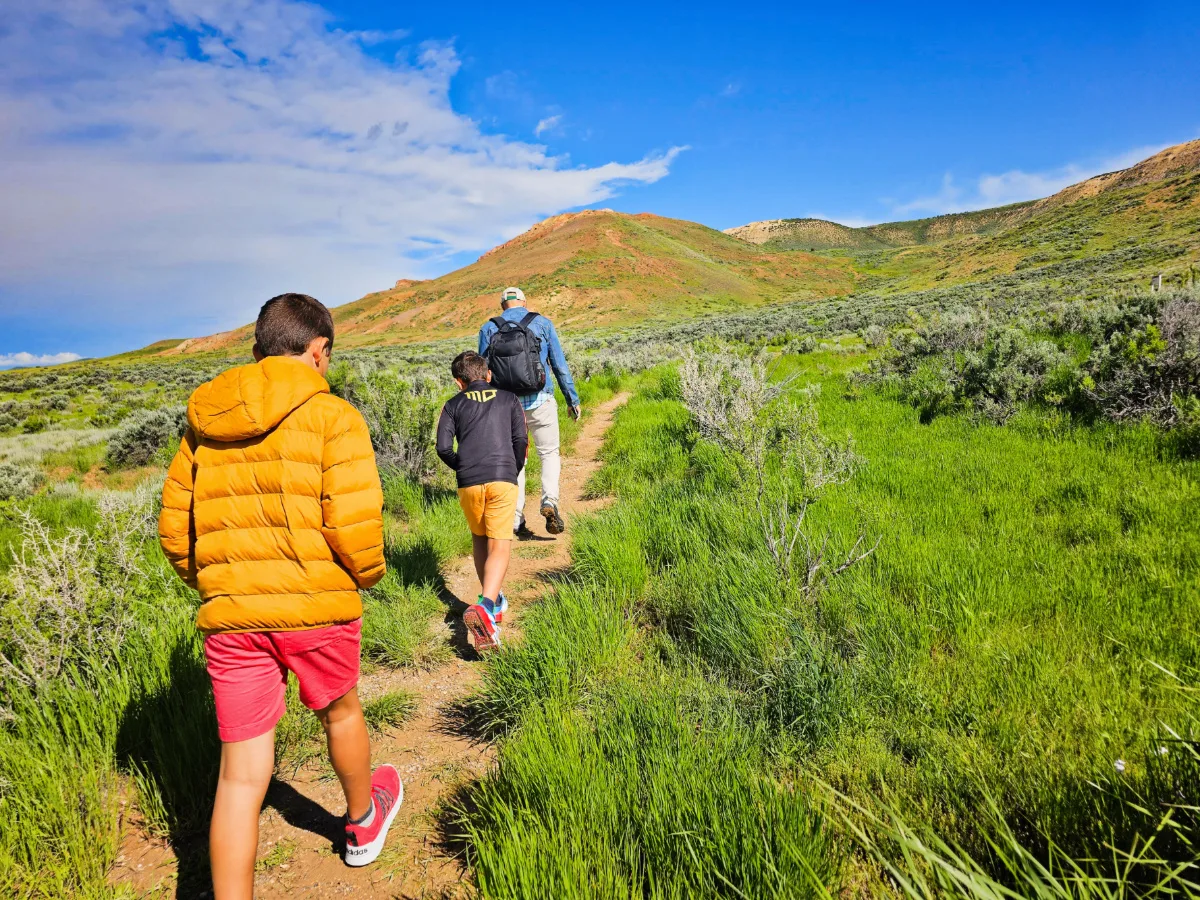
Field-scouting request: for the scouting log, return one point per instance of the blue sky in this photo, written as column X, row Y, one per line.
column 166, row 168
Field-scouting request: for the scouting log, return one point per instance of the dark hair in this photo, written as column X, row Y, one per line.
column 469, row 366
column 288, row 323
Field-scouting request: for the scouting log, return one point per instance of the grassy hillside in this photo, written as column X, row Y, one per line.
column 1181, row 160
column 1117, row 236
column 806, row 234
column 818, row 234
column 596, row 267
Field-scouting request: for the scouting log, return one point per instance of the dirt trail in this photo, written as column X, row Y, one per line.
column 301, row 819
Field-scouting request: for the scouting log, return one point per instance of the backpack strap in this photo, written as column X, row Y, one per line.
column 499, row 322
column 528, row 318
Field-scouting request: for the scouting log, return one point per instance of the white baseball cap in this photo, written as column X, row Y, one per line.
column 510, row 294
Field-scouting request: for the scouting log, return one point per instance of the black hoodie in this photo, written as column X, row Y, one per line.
column 492, row 439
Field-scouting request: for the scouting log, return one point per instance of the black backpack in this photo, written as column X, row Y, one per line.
column 515, row 356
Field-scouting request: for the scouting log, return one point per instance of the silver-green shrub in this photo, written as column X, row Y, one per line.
column 146, row 436
column 774, row 437
column 401, row 415
column 18, row 481
column 71, row 599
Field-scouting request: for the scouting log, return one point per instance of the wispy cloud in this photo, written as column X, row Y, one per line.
column 504, row 86
column 1015, row 185
column 550, row 123
column 13, row 360
column 199, row 155
column 731, row 89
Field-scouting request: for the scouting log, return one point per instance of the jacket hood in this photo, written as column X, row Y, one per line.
column 249, row 401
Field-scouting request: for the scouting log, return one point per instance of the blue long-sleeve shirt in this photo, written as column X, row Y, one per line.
column 553, row 358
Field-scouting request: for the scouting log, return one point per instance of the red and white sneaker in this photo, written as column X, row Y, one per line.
column 364, row 842
column 479, row 621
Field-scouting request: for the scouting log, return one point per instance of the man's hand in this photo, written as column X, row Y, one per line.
column 576, row 412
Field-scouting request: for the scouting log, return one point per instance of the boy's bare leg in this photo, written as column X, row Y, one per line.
column 349, row 750
column 495, row 567
column 479, row 552
column 246, row 768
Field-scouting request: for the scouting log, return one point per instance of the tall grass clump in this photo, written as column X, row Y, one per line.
column 103, row 677
column 631, row 764
column 650, row 795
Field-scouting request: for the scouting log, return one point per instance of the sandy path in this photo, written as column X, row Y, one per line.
column 302, row 821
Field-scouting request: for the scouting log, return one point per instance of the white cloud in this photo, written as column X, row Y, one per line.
column 550, row 123
column 12, row 360
column 192, row 157
column 732, row 89
column 1015, row 185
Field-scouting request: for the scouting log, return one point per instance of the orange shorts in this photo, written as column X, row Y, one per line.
column 490, row 509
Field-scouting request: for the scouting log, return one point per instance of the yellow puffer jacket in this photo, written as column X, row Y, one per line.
column 272, row 506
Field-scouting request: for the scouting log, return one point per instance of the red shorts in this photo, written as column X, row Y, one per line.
column 249, row 673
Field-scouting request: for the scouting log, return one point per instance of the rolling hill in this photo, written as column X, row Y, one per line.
column 603, row 268
column 819, row 234
column 596, row 267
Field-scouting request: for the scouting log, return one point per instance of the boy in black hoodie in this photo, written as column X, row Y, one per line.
column 492, row 442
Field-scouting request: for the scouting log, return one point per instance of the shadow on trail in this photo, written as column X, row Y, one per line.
column 460, row 640
column 418, row 563
column 415, row 563
column 167, row 740
column 469, row 717
column 306, row 814
column 449, row 825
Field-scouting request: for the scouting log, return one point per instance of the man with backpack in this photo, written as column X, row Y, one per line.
column 520, row 347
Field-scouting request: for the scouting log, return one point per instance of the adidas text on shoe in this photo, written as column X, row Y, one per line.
column 554, row 522
column 364, row 842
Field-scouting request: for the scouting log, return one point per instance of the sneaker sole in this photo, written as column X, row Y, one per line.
column 474, row 624
column 364, row 856
column 554, row 522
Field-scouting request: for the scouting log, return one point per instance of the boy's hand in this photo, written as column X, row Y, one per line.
column 576, row 412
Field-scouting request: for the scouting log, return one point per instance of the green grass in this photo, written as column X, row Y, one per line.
column 1010, row 630
column 389, row 710
column 141, row 728
column 652, row 794
column 145, row 721
column 79, row 459
column 300, row 740
column 1027, row 622
column 58, row 510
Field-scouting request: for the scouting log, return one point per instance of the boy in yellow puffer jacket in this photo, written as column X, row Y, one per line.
column 272, row 509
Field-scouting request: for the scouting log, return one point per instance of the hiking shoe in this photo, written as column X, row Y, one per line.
column 499, row 608
column 479, row 622
column 364, row 842
column 522, row 532
column 554, row 522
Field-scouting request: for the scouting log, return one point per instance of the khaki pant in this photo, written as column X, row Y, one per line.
column 543, row 433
